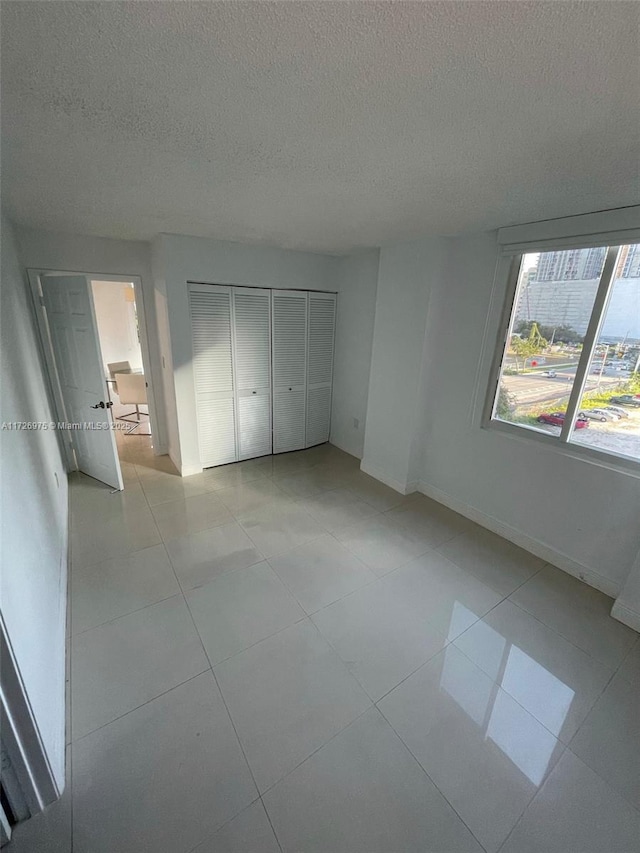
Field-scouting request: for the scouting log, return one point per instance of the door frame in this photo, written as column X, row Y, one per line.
column 35, row 784
column 35, row 283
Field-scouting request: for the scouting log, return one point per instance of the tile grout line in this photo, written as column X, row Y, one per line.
column 226, row 707
column 273, row 829
column 128, row 613
column 137, row 708
column 309, row 616
column 423, row 769
column 557, row 633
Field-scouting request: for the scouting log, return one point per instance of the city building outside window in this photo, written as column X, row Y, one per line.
column 570, row 366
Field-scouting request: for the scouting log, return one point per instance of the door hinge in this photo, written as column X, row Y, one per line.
column 41, row 300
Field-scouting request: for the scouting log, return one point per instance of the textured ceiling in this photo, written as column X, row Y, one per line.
column 316, row 125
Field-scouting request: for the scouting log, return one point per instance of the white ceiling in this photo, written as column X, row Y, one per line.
column 316, row 125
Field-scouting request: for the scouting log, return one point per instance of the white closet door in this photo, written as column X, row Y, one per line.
column 289, row 353
column 210, row 309
column 252, row 365
column 322, row 321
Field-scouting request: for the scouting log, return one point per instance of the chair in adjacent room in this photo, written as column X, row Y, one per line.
column 132, row 390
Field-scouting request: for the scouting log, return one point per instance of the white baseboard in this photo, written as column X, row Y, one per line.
column 529, row 543
column 190, row 470
column 160, row 450
column 396, row 485
column 626, row 615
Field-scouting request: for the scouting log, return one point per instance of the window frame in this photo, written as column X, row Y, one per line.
column 557, row 443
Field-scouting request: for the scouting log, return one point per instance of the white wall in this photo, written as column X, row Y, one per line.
column 158, row 267
column 116, row 319
column 99, row 255
column 182, row 259
column 356, row 282
column 583, row 516
column 33, row 487
column 406, row 275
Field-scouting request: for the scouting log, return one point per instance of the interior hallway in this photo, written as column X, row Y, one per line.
column 284, row 654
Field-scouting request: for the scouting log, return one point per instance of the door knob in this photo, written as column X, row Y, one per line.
column 101, row 405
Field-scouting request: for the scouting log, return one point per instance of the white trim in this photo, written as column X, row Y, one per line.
column 596, row 321
column 5, row 828
column 21, row 736
column 506, row 280
column 396, row 485
column 529, row 543
column 189, row 470
column 178, row 466
column 626, row 615
column 601, row 228
column 34, row 281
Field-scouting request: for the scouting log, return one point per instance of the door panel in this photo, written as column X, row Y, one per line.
column 322, row 318
column 252, row 366
column 210, row 312
column 74, row 340
column 318, row 415
column 288, row 419
column 254, row 424
column 289, row 369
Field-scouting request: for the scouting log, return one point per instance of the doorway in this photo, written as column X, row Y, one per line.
column 95, row 347
column 118, row 326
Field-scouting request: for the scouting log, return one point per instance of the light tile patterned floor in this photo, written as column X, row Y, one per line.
column 286, row 655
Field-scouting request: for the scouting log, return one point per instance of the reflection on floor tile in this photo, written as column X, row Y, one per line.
column 554, row 680
column 504, row 718
column 486, row 754
column 388, row 629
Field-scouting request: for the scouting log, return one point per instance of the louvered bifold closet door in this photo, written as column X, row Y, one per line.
column 289, row 355
column 210, row 309
column 322, row 321
column 252, row 365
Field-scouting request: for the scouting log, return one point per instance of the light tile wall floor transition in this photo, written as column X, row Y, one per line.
column 285, row 654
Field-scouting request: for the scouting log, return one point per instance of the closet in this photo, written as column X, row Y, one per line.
column 262, row 370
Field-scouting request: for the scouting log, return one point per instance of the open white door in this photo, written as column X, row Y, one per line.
column 80, row 375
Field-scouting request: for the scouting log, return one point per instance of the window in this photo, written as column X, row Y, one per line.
column 570, row 368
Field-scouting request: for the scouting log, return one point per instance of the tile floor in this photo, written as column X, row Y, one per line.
column 286, row 655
